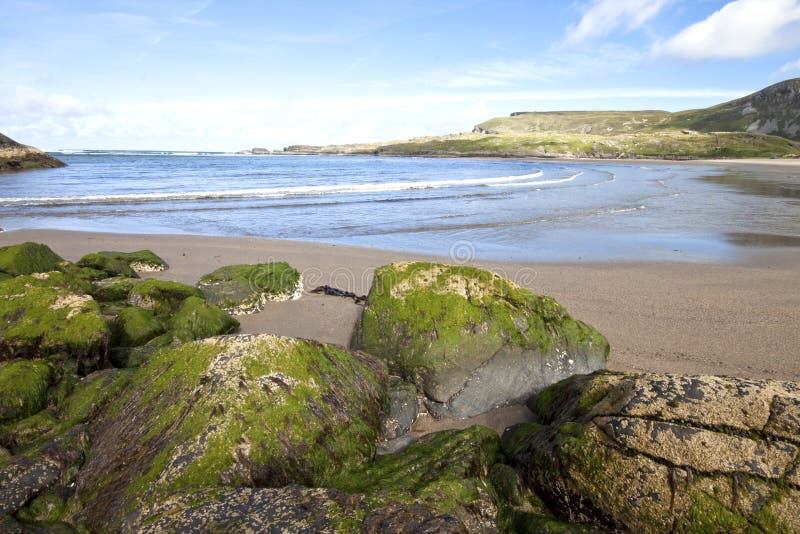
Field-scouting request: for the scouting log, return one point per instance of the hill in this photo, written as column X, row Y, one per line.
column 18, row 157
column 763, row 124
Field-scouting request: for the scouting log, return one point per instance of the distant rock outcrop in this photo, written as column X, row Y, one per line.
column 17, row 157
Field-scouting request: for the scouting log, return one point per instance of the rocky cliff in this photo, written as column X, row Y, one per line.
column 17, row 157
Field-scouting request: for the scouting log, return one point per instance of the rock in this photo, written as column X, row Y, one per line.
column 23, row 388
column 108, row 265
column 257, row 411
column 655, row 453
column 17, row 157
column 403, row 409
column 162, row 297
column 55, row 463
column 39, row 321
column 471, row 340
column 444, row 472
column 141, row 261
column 50, row 507
column 28, row 258
column 242, row 289
column 197, row 320
column 136, row 326
column 113, row 289
column 395, row 445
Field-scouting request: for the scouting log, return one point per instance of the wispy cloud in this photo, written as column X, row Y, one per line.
column 791, row 67
column 741, row 29
column 604, row 17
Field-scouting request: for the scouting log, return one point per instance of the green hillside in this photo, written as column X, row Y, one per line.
column 765, row 124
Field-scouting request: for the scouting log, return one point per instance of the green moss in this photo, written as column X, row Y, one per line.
column 110, row 265
column 243, row 288
column 113, row 289
column 41, row 321
column 5, row 276
column 432, row 316
column 707, row 515
column 28, row 258
column 136, row 326
column 141, row 260
column 23, row 388
column 444, row 470
column 47, row 508
column 163, row 297
column 197, row 319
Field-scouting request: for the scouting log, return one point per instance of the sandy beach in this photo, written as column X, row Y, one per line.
column 669, row 317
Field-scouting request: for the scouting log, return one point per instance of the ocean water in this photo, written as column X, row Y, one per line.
column 521, row 210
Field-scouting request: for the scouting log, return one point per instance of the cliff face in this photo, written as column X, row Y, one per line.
column 17, row 157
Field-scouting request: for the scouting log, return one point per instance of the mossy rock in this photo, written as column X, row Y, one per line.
column 136, row 326
column 241, row 289
column 143, row 261
column 113, row 289
column 23, row 388
column 234, row 411
column 110, row 265
column 48, row 508
column 39, row 321
column 85, row 399
column 472, row 340
column 446, row 471
column 656, row 453
column 28, row 258
column 162, row 297
column 197, row 320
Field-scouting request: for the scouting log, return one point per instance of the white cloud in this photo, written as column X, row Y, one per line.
column 790, row 68
column 603, row 17
column 741, row 29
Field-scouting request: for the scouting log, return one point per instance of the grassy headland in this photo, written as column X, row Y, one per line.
column 765, row 124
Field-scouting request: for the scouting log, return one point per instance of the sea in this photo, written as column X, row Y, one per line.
column 468, row 209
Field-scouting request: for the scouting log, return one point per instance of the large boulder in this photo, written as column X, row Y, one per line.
column 23, row 388
column 43, row 317
column 28, row 258
column 141, row 261
column 242, row 289
column 198, row 319
column 658, row 453
column 111, row 266
column 236, row 411
column 470, row 339
column 162, row 297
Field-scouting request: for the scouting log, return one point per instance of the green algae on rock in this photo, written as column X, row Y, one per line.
column 142, row 261
column 472, row 340
column 23, row 388
column 28, row 258
column 109, row 265
column 163, row 297
column 136, row 326
column 242, row 289
column 655, row 453
column 198, row 319
column 40, row 321
column 235, row 411
column 113, row 289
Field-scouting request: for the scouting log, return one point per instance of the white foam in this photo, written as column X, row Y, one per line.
column 539, row 182
column 272, row 192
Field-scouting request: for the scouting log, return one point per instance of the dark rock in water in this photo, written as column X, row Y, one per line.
column 42, row 318
column 233, row 411
column 471, row 340
column 242, row 289
column 403, row 409
column 162, row 297
column 17, row 157
column 23, row 477
column 658, row 453
column 28, row 258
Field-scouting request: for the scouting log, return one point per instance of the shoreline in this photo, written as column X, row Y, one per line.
column 667, row 317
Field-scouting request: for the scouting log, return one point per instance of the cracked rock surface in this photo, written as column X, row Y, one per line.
column 661, row 453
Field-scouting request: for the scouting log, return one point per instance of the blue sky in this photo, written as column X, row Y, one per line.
column 227, row 75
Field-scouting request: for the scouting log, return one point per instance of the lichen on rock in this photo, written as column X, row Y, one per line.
column 243, row 289
column 470, row 339
column 655, row 453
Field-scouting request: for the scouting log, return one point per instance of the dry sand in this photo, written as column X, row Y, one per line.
column 741, row 320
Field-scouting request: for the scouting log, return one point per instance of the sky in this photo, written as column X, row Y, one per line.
column 229, row 75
